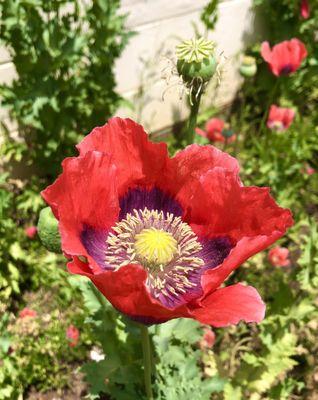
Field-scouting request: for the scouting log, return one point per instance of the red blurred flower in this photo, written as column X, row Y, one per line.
column 72, row 334
column 285, row 57
column 278, row 257
column 27, row 312
column 31, row 231
column 215, row 131
column 160, row 235
column 280, row 118
column 208, row 339
column 304, row 9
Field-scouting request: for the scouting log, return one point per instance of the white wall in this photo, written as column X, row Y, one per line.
column 159, row 24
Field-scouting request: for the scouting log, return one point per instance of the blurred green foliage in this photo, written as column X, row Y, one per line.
column 31, row 348
column 64, row 53
column 209, row 16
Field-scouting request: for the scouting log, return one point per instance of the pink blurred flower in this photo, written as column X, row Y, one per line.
column 304, row 9
column 278, row 257
column 280, row 118
column 310, row 170
column 27, row 312
column 72, row 334
column 208, row 339
column 215, row 131
column 31, row 231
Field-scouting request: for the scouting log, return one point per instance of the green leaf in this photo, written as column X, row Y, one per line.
column 232, row 392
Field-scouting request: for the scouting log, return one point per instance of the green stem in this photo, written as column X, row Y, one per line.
column 224, row 144
column 270, row 100
column 147, row 359
column 240, row 126
column 192, row 123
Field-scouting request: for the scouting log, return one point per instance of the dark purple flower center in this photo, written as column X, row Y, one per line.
column 286, row 69
column 153, row 199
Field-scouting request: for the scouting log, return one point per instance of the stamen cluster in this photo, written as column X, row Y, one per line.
column 174, row 268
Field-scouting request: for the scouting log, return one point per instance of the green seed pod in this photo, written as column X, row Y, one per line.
column 48, row 231
column 196, row 60
column 248, row 67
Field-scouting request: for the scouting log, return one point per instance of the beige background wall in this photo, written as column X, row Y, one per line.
column 158, row 25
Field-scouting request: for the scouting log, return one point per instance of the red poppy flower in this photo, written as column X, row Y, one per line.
column 304, row 9
column 280, row 118
column 215, row 131
column 27, row 312
column 72, row 334
column 285, row 57
column 159, row 235
column 31, row 232
column 278, row 257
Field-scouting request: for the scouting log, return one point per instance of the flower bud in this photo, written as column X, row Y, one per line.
column 48, row 230
column 72, row 335
column 248, row 67
column 196, row 60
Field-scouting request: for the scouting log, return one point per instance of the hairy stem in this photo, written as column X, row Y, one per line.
column 147, row 359
column 192, row 123
column 270, row 100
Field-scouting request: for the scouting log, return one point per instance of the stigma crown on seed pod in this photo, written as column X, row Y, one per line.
column 196, row 60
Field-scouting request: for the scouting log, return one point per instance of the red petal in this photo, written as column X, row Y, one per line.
column 197, row 160
column 126, row 290
column 200, row 132
column 214, row 125
column 216, row 137
column 187, row 166
column 138, row 161
column 289, row 116
column 282, row 56
column 266, row 51
column 274, row 113
column 248, row 215
column 84, row 194
column 298, row 52
column 230, row 305
column 236, row 210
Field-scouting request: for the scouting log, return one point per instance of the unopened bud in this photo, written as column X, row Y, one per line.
column 248, row 67
column 48, row 231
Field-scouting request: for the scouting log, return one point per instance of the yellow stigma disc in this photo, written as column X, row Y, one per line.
column 155, row 246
